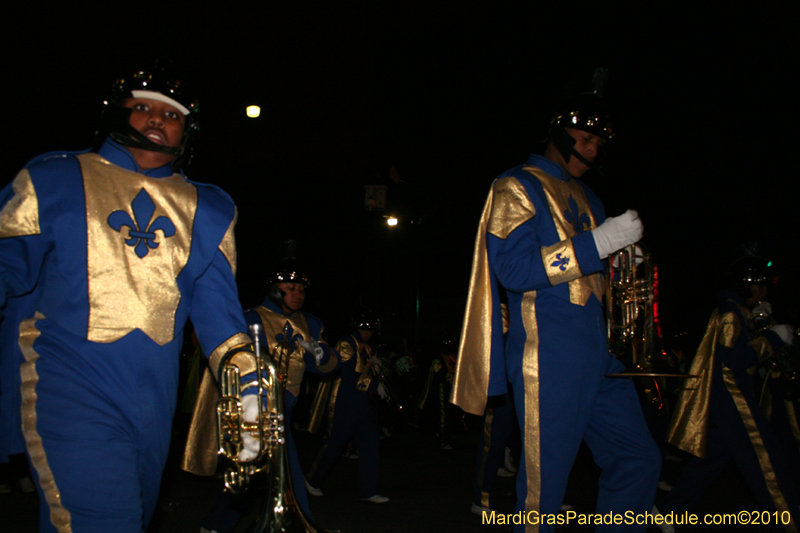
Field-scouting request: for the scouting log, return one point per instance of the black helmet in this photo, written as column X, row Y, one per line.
column 157, row 83
column 449, row 344
column 749, row 270
column 585, row 112
column 753, row 271
column 287, row 271
column 367, row 321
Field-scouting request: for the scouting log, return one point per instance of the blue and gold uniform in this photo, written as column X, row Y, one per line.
column 302, row 327
column 352, row 415
column 200, row 456
column 534, row 240
column 719, row 418
column 120, row 260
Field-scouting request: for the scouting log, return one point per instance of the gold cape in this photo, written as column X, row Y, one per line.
column 689, row 427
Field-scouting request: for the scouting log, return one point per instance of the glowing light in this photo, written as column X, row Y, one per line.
column 392, row 221
column 253, row 111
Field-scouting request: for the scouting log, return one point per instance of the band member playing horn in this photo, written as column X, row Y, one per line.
column 543, row 238
column 307, row 352
column 351, row 413
column 719, row 419
column 120, row 250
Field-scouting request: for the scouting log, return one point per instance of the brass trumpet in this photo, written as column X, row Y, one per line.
column 268, row 429
column 281, row 512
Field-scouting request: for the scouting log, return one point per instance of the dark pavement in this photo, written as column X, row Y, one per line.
column 430, row 490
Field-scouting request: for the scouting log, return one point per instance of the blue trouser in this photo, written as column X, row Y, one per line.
column 498, row 424
column 354, row 420
column 604, row 412
column 783, row 420
column 105, row 445
column 729, row 438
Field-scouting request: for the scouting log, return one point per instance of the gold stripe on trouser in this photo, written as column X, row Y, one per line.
column 487, row 443
column 530, row 380
column 59, row 516
column 768, row 471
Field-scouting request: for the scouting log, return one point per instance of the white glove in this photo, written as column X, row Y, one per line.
column 381, row 391
column 249, row 414
column 763, row 309
column 784, row 331
column 617, row 232
column 314, row 349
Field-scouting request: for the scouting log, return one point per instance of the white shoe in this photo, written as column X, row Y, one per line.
column 478, row 510
column 312, row 490
column 376, row 499
column 665, row 528
column 502, row 472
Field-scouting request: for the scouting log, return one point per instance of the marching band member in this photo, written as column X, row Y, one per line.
column 351, row 414
column 121, row 250
column 282, row 321
column 434, row 399
column 718, row 419
column 543, row 238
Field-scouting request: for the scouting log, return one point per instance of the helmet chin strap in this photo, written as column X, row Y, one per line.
column 565, row 144
column 135, row 139
column 276, row 295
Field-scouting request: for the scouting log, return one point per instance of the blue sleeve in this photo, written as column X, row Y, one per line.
column 216, row 312
column 517, row 260
column 330, row 361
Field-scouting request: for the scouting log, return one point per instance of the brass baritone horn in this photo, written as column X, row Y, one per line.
column 630, row 320
column 281, row 512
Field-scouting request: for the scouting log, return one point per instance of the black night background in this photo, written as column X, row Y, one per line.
column 448, row 94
